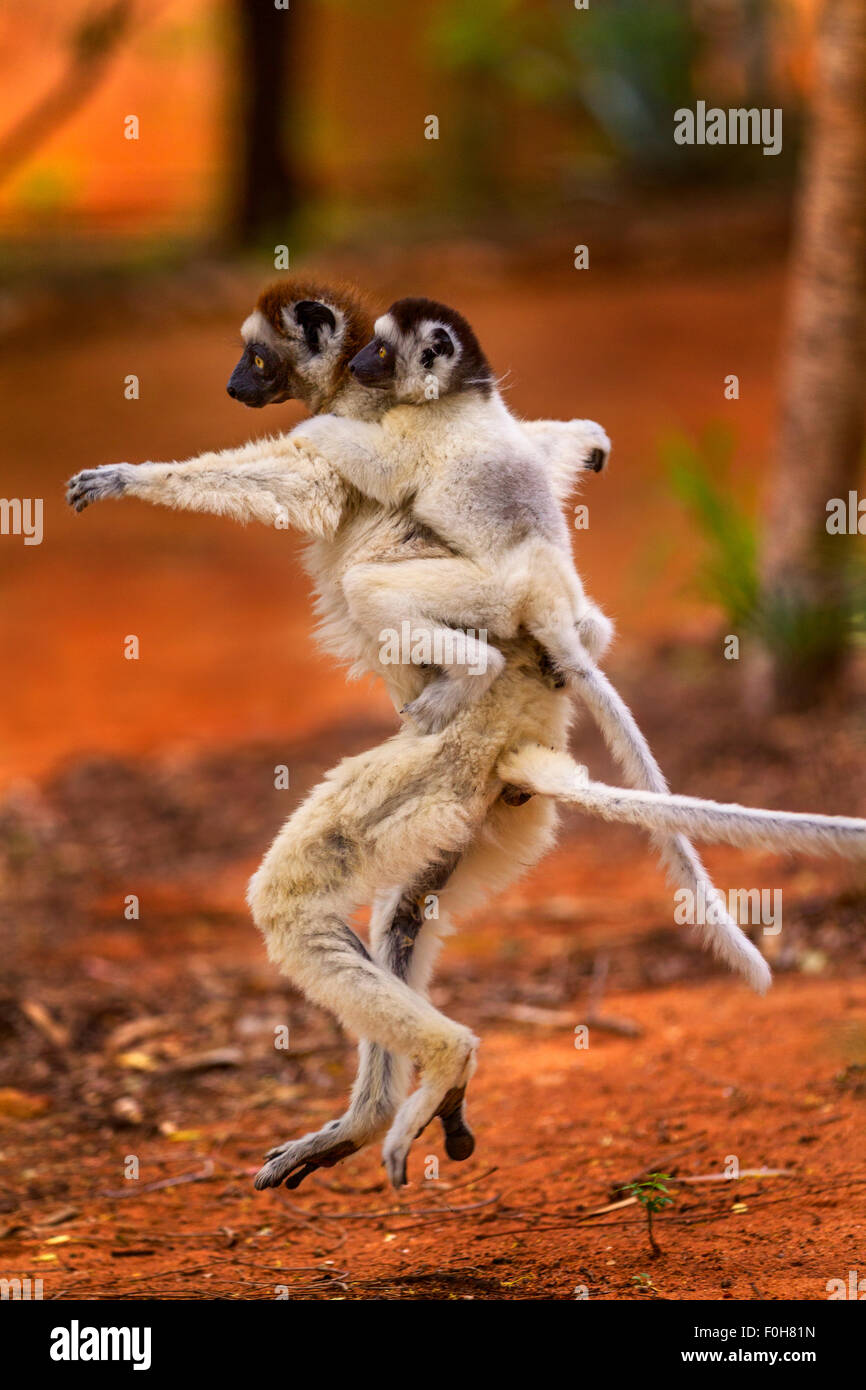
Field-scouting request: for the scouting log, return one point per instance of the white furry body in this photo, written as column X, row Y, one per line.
column 476, row 477
column 465, row 466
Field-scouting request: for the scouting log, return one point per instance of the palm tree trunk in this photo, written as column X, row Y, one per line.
column 821, row 426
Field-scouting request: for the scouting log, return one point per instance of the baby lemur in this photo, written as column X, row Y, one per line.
column 445, row 447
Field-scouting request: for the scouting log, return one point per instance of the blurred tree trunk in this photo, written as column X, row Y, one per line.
column 821, row 424
column 266, row 191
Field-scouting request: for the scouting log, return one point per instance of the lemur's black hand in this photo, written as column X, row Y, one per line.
column 91, row 485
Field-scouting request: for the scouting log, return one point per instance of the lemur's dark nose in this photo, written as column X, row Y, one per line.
column 596, row 460
column 232, row 392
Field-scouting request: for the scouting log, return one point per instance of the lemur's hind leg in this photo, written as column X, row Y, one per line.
column 399, row 606
column 381, row 1082
column 556, row 610
column 388, row 806
column 382, row 1079
column 335, row 970
column 402, row 956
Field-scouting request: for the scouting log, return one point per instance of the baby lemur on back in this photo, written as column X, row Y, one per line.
column 446, row 448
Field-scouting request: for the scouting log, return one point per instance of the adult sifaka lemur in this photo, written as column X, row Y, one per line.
column 304, row 336
column 422, row 814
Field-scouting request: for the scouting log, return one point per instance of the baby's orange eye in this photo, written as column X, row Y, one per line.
column 383, row 352
column 259, row 361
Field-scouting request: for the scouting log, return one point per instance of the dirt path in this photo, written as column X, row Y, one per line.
column 715, row 1077
column 153, row 1041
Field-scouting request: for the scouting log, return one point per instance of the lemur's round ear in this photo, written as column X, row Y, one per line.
column 313, row 317
column 441, row 345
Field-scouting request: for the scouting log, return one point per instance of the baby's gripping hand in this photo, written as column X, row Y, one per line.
column 356, row 449
column 93, row 484
column 591, row 444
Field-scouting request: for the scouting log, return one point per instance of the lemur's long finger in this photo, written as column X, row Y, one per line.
column 296, row 1163
column 398, row 1174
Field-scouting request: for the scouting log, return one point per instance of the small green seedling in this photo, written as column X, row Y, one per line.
column 644, row 1283
column 652, row 1193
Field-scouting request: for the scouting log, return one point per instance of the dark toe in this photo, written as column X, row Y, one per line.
column 297, row 1178
column 460, row 1144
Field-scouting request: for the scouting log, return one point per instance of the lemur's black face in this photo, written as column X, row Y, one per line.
column 375, row 365
column 260, row 378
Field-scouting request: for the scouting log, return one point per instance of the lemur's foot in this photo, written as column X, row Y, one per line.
column 111, row 480
column 595, row 632
column 436, row 706
column 442, row 1095
column 459, row 1139
column 439, row 702
column 293, row 1161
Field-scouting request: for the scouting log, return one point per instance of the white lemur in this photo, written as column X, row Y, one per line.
column 299, row 340
column 446, row 446
column 394, row 821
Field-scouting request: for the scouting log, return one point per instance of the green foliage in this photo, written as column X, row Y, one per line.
column 625, row 65
column 631, row 64
column 486, row 36
column 700, row 478
column 652, row 1192
column 791, row 625
column 644, row 1284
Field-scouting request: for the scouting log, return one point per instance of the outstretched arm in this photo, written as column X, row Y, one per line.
column 269, row 480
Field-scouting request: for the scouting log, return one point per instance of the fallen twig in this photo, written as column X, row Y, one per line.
column 134, row 1188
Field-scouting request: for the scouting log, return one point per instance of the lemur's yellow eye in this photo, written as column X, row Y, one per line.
column 383, row 352
column 259, row 361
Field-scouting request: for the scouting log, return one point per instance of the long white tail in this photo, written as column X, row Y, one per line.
column 547, row 773
column 628, row 746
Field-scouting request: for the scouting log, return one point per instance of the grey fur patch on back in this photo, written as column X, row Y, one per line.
column 518, row 499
